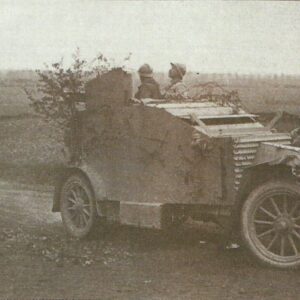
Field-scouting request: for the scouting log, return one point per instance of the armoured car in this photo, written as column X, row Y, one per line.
column 154, row 164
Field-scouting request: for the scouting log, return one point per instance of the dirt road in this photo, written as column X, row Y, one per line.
column 38, row 260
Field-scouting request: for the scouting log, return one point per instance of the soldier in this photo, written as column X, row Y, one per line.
column 149, row 88
column 177, row 90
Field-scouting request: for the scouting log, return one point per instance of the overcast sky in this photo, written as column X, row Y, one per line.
column 245, row 37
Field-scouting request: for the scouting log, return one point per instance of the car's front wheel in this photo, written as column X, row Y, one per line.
column 270, row 223
column 77, row 206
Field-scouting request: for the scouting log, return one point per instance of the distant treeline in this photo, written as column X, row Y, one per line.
column 236, row 79
column 190, row 78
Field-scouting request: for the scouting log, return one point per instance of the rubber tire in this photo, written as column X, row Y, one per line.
column 249, row 205
column 71, row 229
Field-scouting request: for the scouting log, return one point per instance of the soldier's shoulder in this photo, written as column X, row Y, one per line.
column 151, row 84
column 151, row 81
column 180, row 85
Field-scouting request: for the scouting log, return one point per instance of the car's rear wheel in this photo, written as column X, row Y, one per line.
column 77, row 206
column 270, row 223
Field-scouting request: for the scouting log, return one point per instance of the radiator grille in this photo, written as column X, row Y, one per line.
column 244, row 150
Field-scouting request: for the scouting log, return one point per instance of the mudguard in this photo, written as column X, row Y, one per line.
column 93, row 177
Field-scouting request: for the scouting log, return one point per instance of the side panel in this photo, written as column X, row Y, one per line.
column 207, row 173
column 145, row 155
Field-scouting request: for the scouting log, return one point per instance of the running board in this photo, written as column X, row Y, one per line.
column 147, row 215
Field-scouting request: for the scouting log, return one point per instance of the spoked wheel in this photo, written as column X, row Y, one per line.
column 77, row 206
column 271, row 224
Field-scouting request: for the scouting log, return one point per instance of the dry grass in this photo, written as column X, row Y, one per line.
column 29, row 141
column 13, row 101
column 30, row 150
column 266, row 99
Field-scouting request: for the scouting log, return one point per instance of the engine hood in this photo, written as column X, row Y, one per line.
column 274, row 154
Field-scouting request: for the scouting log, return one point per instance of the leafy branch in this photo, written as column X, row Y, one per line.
column 61, row 89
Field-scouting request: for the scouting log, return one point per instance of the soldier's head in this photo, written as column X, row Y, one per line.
column 145, row 71
column 177, row 71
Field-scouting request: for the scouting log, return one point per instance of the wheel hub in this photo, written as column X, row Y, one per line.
column 78, row 206
column 283, row 225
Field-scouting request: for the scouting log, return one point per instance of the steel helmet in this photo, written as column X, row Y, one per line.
column 180, row 68
column 145, row 71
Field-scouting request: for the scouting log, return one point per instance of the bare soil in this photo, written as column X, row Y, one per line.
column 38, row 260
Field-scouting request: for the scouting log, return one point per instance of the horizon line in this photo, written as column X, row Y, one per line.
column 191, row 71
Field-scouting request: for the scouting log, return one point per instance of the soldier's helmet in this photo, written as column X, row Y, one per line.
column 145, row 71
column 179, row 68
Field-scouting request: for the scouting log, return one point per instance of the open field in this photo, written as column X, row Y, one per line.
column 13, row 100
column 30, row 150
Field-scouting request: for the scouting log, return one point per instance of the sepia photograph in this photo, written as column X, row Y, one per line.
column 149, row 150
